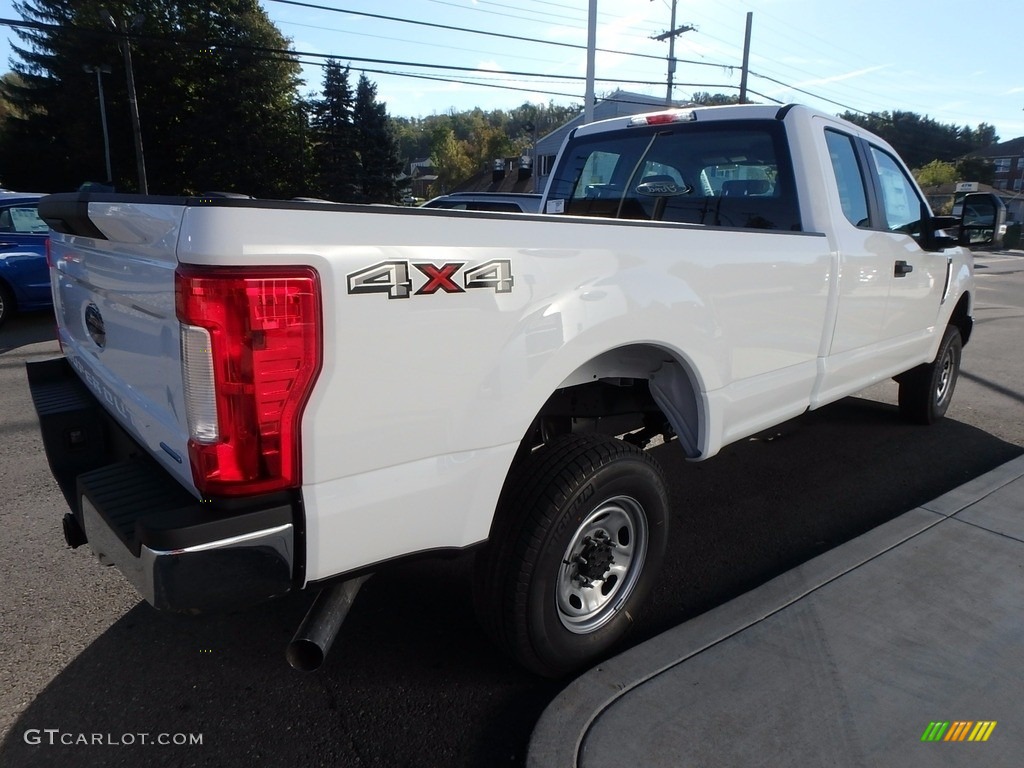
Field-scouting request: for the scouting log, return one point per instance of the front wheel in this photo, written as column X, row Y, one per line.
column 926, row 391
column 581, row 533
column 6, row 303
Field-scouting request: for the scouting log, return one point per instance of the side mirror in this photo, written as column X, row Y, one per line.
column 935, row 230
column 982, row 220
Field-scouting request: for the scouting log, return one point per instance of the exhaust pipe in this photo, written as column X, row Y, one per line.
column 308, row 649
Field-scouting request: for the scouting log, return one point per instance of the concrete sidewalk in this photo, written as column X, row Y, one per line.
column 843, row 661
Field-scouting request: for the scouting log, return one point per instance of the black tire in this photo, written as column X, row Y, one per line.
column 7, row 307
column 579, row 538
column 926, row 391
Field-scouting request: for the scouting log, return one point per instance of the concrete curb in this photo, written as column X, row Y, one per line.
column 559, row 734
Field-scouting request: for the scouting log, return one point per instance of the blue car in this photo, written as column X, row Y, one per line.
column 24, row 276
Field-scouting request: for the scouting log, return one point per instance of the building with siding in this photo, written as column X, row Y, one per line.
column 1007, row 159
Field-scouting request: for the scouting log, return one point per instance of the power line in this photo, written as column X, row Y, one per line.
column 505, row 15
column 486, row 84
column 450, row 28
column 403, row 40
column 580, row 24
column 808, row 93
column 196, row 43
column 293, row 55
column 805, row 41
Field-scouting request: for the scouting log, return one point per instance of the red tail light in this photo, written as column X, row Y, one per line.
column 251, row 352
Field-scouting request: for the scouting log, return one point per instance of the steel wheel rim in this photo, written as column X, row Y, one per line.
column 945, row 377
column 616, row 528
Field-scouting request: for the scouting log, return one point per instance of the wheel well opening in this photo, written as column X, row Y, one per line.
column 642, row 394
column 961, row 318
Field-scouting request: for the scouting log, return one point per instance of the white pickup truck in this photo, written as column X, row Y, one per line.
column 259, row 397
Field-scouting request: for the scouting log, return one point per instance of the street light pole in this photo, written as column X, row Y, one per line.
column 100, row 70
column 133, row 104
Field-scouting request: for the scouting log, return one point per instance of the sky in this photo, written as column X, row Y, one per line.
column 835, row 55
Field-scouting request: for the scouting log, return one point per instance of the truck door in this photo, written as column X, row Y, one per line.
column 889, row 288
column 862, row 282
column 916, row 277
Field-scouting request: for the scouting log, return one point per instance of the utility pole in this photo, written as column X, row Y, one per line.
column 133, row 104
column 588, row 101
column 100, row 70
column 671, row 36
column 746, row 59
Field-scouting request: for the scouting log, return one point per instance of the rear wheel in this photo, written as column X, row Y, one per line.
column 580, row 536
column 926, row 391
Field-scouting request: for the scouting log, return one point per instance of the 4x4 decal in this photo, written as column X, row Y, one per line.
column 395, row 278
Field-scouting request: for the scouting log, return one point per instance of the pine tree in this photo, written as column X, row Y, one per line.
column 378, row 146
column 335, row 139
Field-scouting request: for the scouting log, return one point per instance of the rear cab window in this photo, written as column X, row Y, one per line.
column 853, row 196
column 723, row 174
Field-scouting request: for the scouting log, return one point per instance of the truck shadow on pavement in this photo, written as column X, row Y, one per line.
column 28, row 328
column 411, row 681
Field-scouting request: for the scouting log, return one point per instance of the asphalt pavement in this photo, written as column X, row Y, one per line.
column 412, row 681
column 903, row 647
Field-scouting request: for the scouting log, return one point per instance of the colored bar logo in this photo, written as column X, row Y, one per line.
column 959, row 730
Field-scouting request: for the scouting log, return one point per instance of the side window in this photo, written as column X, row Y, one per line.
column 852, row 195
column 22, row 220
column 899, row 199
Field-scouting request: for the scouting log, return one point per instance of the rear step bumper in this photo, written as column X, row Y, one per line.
column 180, row 553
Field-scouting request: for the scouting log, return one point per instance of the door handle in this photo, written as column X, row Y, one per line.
column 902, row 269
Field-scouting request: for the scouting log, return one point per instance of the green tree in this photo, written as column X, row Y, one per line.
column 919, row 140
column 975, row 169
column 481, row 136
column 217, row 95
column 979, row 138
column 936, row 172
column 451, row 161
column 413, row 136
column 242, row 122
column 708, row 99
column 378, row 149
column 8, row 81
column 335, row 139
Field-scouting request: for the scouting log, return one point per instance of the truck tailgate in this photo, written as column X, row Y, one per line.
column 114, row 303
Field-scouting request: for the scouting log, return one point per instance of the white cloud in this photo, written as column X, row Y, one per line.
column 845, row 76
